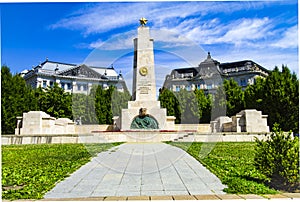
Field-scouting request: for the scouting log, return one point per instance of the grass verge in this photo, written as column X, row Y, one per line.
column 232, row 163
column 29, row 171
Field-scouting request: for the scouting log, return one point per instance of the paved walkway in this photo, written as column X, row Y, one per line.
column 152, row 169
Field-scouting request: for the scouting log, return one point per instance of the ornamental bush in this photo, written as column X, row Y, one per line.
column 278, row 159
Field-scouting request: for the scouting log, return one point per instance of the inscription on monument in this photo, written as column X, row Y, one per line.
column 145, row 83
column 144, row 90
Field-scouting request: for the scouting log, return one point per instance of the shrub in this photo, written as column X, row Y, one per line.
column 278, row 159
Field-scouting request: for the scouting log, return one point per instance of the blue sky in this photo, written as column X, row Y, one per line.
column 102, row 33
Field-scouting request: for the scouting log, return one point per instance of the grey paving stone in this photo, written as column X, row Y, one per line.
column 153, row 193
column 151, row 169
column 88, row 182
column 195, row 186
column 174, row 193
column 152, row 187
column 83, row 190
column 128, row 193
column 129, row 187
column 62, row 188
column 175, row 187
column 103, row 193
column 112, row 178
column 129, row 178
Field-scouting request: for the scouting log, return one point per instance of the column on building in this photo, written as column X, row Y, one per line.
column 74, row 86
column 89, row 87
column 39, row 82
column 58, row 82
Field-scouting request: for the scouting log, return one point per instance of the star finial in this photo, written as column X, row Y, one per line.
column 143, row 21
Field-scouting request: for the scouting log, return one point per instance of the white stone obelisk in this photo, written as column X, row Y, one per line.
column 144, row 87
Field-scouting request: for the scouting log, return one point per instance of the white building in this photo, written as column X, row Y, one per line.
column 210, row 74
column 73, row 78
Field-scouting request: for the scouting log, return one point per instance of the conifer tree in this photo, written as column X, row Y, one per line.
column 16, row 98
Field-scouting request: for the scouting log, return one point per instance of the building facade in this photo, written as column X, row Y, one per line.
column 73, row 78
column 210, row 74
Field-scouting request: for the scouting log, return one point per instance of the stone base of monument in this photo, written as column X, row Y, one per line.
column 159, row 115
column 248, row 120
column 141, row 137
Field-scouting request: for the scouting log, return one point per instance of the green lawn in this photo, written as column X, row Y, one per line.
column 29, row 171
column 232, row 162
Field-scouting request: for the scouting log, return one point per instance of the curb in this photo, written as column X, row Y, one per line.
column 282, row 196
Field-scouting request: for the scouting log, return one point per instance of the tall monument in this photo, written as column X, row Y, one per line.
column 144, row 111
column 144, row 87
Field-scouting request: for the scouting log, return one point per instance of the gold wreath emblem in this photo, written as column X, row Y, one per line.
column 143, row 71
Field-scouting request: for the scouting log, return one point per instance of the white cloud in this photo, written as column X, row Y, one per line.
column 289, row 39
column 189, row 24
column 103, row 17
column 246, row 30
column 116, row 42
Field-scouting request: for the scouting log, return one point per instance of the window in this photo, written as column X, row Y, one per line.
column 243, row 82
column 62, row 85
column 209, row 86
column 85, row 87
column 177, row 88
column 188, row 88
column 44, row 84
column 79, row 87
column 198, row 86
column 69, row 86
column 51, row 83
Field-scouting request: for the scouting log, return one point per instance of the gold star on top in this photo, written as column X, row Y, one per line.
column 143, row 21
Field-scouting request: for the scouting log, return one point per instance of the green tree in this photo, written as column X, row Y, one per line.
column 119, row 101
column 278, row 97
column 234, row 97
column 83, row 106
column 103, row 105
column 278, row 159
column 281, row 99
column 16, row 98
column 228, row 100
column 218, row 103
column 55, row 102
column 169, row 101
column 204, row 106
column 188, row 106
column 254, row 95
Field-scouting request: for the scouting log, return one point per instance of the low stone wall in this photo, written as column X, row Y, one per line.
column 87, row 129
column 200, row 128
column 130, row 136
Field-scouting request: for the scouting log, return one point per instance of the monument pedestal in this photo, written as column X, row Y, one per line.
column 153, row 109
